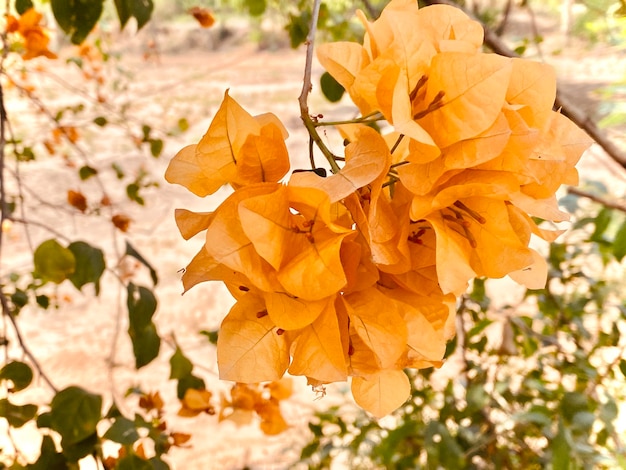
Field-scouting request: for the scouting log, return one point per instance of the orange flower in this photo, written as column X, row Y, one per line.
column 34, row 36
column 357, row 274
column 238, row 149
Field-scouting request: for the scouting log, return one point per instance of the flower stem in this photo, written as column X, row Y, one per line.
column 306, row 89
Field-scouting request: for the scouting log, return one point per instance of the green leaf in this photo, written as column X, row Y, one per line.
column 130, row 251
column 583, row 421
column 298, row 28
column 187, row 382
column 78, row 450
column 183, row 124
column 132, row 191
column 19, row 298
column 619, row 243
column 560, row 450
column 77, row 17
column 100, row 121
column 133, row 462
column 143, row 334
column 74, row 414
column 22, row 6
column 158, row 464
column 256, row 7
column 53, row 262
column 26, row 155
column 211, row 335
column 44, row 420
column 156, row 147
column 86, row 172
column 19, row 373
column 331, row 88
column 119, row 172
column 180, row 366
column 602, row 221
column 43, row 301
column 89, row 265
column 141, row 10
column 123, row 431
column 572, row 403
column 17, row 415
column 49, row 457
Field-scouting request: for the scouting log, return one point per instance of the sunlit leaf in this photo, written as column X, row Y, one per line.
column 53, row 262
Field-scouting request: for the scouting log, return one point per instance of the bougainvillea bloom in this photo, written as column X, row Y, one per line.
column 35, row 39
column 356, row 275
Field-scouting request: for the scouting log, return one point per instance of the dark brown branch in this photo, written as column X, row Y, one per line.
column 569, row 109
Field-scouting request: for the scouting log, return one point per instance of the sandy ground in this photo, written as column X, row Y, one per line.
column 74, row 343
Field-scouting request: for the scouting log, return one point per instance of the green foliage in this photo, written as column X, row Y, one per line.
column 542, row 396
column 18, row 373
column 331, row 88
column 141, row 10
column 23, row 5
column 16, row 415
column 142, row 331
column 77, row 17
column 131, row 251
column 90, row 265
column 53, row 262
column 74, row 414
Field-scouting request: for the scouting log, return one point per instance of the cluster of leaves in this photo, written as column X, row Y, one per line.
column 77, row 18
column 357, row 274
column 73, row 418
column 529, row 385
column 73, row 425
column 334, row 22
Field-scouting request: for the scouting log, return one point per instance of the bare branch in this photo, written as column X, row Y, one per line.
column 6, row 312
column 605, row 202
column 306, row 89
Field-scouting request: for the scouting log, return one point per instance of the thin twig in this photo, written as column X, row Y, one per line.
column 6, row 311
column 605, row 202
column 306, row 89
column 569, row 109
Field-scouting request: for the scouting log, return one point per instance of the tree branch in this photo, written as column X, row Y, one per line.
column 569, row 109
column 605, row 202
column 306, row 89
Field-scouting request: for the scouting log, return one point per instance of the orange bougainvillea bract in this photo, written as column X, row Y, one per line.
column 355, row 276
column 34, row 37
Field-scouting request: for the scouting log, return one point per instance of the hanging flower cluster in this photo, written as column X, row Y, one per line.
column 357, row 274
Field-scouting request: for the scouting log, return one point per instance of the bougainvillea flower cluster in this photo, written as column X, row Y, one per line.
column 356, row 275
